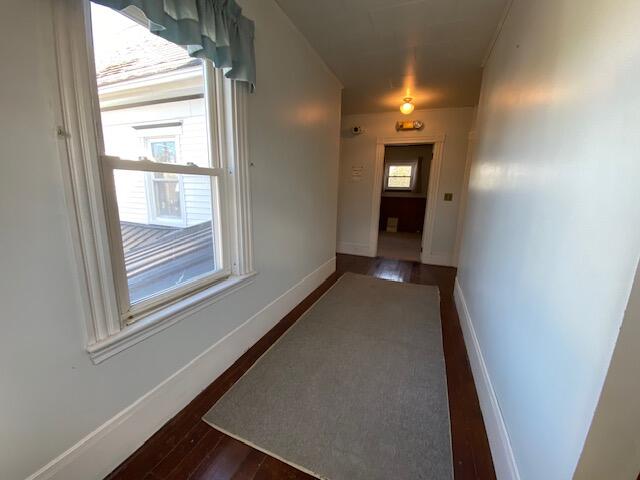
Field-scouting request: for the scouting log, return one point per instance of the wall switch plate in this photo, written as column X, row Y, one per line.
column 448, row 197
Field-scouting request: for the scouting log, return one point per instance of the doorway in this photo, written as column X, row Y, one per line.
column 403, row 200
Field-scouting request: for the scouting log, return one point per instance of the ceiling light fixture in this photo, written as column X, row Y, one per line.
column 407, row 107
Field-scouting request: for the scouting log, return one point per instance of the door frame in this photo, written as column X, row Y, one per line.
column 471, row 148
column 432, row 190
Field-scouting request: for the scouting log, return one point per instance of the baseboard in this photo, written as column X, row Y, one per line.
column 503, row 458
column 97, row 454
column 440, row 259
column 348, row 248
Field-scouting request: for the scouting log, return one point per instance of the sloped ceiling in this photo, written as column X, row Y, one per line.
column 383, row 49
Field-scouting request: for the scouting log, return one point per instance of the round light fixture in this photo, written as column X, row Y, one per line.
column 407, row 107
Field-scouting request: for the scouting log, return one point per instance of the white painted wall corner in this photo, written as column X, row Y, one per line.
column 503, row 457
column 97, row 454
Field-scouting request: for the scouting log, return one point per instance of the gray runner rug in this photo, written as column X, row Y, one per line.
column 355, row 389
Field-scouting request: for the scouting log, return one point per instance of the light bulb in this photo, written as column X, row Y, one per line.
column 407, row 107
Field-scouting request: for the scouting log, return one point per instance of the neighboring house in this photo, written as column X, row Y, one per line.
column 152, row 107
column 166, row 123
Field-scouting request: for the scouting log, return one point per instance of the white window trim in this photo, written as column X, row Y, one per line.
column 414, row 175
column 106, row 334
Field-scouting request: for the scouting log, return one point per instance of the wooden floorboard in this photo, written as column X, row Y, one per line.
column 187, row 448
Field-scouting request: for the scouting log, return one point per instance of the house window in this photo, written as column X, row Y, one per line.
column 172, row 175
column 166, row 197
column 400, row 176
column 165, row 191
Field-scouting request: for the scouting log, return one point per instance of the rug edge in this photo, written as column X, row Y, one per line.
column 438, row 295
column 264, row 450
column 409, row 284
column 278, row 340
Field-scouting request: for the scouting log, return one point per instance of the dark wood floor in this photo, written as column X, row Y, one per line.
column 187, row 448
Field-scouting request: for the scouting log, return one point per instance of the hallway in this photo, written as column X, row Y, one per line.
column 399, row 246
column 409, row 200
column 186, row 447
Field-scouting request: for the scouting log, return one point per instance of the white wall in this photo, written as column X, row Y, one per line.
column 552, row 237
column 354, row 213
column 51, row 393
column 612, row 449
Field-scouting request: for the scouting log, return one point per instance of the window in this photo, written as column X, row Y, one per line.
column 164, row 193
column 152, row 184
column 165, row 167
column 400, row 176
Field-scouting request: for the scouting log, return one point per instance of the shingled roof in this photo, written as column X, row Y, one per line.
column 158, row 257
column 136, row 53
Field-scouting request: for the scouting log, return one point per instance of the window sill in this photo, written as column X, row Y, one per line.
column 160, row 319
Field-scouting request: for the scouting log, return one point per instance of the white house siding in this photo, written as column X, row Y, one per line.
column 123, row 140
column 197, row 198
column 193, row 148
column 132, row 198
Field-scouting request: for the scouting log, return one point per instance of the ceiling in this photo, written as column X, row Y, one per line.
column 382, row 49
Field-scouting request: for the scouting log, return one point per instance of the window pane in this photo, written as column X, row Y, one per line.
column 399, row 182
column 400, row 171
column 166, row 196
column 151, row 93
column 165, row 244
column 163, row 151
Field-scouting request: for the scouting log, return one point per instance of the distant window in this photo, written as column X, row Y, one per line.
column 165, row 191
column 400, row 176
column 163, row 150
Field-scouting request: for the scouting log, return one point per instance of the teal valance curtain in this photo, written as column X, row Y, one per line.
column 213, row 29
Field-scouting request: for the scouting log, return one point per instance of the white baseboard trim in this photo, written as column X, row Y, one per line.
column 348, row 248
column 97, row 454
column 503, row 458
column 441, row 259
